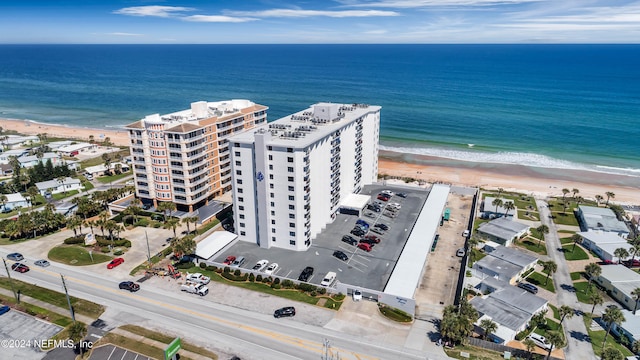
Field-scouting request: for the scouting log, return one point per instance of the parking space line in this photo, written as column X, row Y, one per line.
column 289, row 273
column 369, row 260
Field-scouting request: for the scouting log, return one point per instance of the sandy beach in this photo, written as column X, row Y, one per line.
column 539, row 182
column 28, row 127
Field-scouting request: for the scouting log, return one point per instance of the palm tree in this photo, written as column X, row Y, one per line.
column 575, row 192
column 593, row 270
column 634, row 250
column 73, row 223
column 500, row 191
column 611, row 353
column 598, row 199
column 190, row 220
column 565, row 191
column 579, row 200
column 576, row 239
column 636, row 296
column 3, row 200
column 508, row 205
column 556, row 339
column 530, row 345
column 565, row 311
column 488, row 327
column 595, row 298
column 24, row 181
column 612, row 315
column 77, row 331
column 172, row 223
column 185, row 246
column 549, row 267
column 542, row 229
column 61, row 180
column 497, row 202
column 32, row 193
column 621, row 253
column 635, row 347
column 610, row 195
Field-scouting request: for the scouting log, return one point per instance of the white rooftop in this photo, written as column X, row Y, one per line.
column 15, row 197
column 201, row 110
column 602, row 237
column 503, row 228
column 214, row 243
column 355, row 201
column 305, row 127
column 74, row 147
column 405, row 277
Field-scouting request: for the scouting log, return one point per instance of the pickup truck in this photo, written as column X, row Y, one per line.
column 198, row 278
column 193, row 288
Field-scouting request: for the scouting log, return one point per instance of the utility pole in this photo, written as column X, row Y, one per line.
column 148, row 250
column 327, row 354
column 64, row 285
column 11, row 281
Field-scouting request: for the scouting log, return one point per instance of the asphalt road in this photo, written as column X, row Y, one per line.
column 248, row 334
column 578, row 345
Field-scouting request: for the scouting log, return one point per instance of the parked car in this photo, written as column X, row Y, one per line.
column 528, row 287
column 373, row 208
column 460, row 252
column 635, row 263
column 349, row 240
column 229, row 260
column 115, row 262
column 358, row 232
column 383, row 197
column 365, row 246
column 540, row 341
column 373, row 238
column 389, row 193
column 260, row 265
column 465, row 233
column 271, row 269
column 238, row 261
column 340, row 255
column 19, row 267
column 362, row 222
column 357, row 295
column 394, row 206
column 15, row 257
column 194, row 288
column 306, row 274
column 382, row 226
column 198, row 278
column 285, row 311
column 4, row 309
column 401, row 194
column 129, row 285
column 328, row 279
column 377, row 231
column 42, row 263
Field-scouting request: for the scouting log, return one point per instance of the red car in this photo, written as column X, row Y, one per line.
column 635, row 263
column 383, row 197
column 21, row 268
column 373, row 238
column 229, row 260
column 364, row 246
column 115, row 262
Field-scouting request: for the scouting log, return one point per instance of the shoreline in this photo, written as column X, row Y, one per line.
column 543, row 182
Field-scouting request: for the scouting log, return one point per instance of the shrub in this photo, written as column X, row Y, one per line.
column 266, row 280
column 314, row 293
column 338, row 297
column 74, row 240
column 287, row 284
column 118, row 252
column 157, row 225
column 142, row 222
column 105, row 249
column 212, row 268
column 203, row 265
column 227, row 269
column 237, row 272
column 259, row 278
column 322, row 291
column 184, row 266
column 276, row 281
column 276, row 286
column 252, row 277
column 306, row 287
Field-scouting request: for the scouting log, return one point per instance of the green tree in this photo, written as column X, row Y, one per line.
column 172, row 223
column 576, row 239
column 610, row 195
column 565, row 191
column 636, row 296
column 488, row 327
column 595, row 298
column 612, row 315
column 611, row 353
column 530, row 346
column 592, row 270
column 579, row 200
column 635, row 347
column 621, row 253
column 73, row 223
column 599, row 198
column 538, row 319
column 77, row 331
column 549, row 267
column 508, row 205
column 575, row 192
column 184, row 246
column 500, row 191
column 3, row 200
column 32, row 193
column 556, row 339
column 565, row 311
column 165, row 207
column 497, row 202
column 457, row 322
column 24, row 181
column 543, row 230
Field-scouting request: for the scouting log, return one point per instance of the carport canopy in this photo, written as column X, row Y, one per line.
column 354, row 203
column 214, row 243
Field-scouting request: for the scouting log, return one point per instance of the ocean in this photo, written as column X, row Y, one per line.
column 573, row 107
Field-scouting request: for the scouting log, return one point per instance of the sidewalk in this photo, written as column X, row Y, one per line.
column 45, row 305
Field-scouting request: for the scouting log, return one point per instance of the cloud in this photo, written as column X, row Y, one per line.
column 407, row 4
column 217, row 18
column 299, row 13
column 153, row 10
column 124, row 34
column 375, row 32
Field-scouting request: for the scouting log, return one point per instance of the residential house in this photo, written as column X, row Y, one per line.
column 27, row 161
column 505, row 264
column 15, row 200
column 604, row 244
column 604, row 219
column 6, row 155
column 489, row 211
column 56, row 186
column 16, row 141
column 503, row 230
column 619, row 281
column 76, row 148
column 100, row 170
column 630, row 327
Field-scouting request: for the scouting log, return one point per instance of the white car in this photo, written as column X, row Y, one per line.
column 271, row 269
column 394, row 206
column 260, row 265
column 465, row 233
column 197, row 278
column 357, row 295
column 387, row 192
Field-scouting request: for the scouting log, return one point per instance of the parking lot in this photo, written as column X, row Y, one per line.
column 366, row 269
column 112, row 352
column 19, row 329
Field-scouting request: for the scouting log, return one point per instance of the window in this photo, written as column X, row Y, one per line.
column 290, row 178
column 241, row 199
column 241, row 216
column 240, row 207
column 292, row 242
column 239, row 181
column 292, row 233
column 270, row 157
column 291, row 197
column 238, row 163
column 272, row 195
column 290, row 159
column 270, row 186
column 292, row 225
column 243, row 233
column 270, row 167
column 291, row 188
column 270, row 176
column 237, row 153
column 270, row 147
column 273, row 213
column 273, row 204
column 289, row 150
column 290, row 169
column 292, row 207
column 273, row 238
column 242, row 224
column 238, row 172
column 292, row 216
column 240, row 190
column 273, row 231
column 273, row 222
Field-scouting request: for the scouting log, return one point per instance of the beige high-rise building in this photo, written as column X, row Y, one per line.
column 183, row 157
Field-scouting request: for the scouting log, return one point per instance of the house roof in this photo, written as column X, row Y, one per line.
column 602, row 219
column 15, row 197
column 184, row 127
column 512, row 256
column 503, row 228
column 510, row 306
column 617, row 273
column 32, row 158
column 631, row 323
column 214, row 243
column 505, row 261
column 75, row 147
column 602, row 237
column 44, row 185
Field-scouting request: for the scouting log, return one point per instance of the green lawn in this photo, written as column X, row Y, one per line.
column 536, row 234
column 208, row 226
column 582, row 291
column 53, row 297
column 556, row 314
column 521, row 201
column 539, row 280
column 108, row 179
column 38, row 311
column 567, row 218
column 597, row 337
column 62, row 195
column 566, row 240
column 533, row 245
column 576, row 275
column 533, row 216
column 76, row 255
column 99, row 161
column 577, row 254
column 86, row 184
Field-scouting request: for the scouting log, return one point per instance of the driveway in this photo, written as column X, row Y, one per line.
column 578, row 344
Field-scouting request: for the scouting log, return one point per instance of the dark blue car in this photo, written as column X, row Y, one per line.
column 4, row 309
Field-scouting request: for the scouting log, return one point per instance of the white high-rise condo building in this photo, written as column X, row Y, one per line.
column 183, row 157
column 290, row 176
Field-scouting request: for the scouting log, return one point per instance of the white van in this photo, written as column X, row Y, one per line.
column 328, row 279
column 540, row 341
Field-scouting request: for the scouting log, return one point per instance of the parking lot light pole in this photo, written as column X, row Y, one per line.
column 64, row 285
column 11, row 281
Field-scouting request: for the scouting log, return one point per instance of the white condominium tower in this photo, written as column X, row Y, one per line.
column 290, row 176
column 183, row 157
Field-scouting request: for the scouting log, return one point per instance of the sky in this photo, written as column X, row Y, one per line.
column 308, row 22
